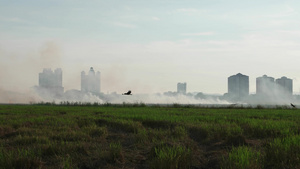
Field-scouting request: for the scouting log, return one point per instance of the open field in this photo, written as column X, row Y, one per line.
column 153, row 137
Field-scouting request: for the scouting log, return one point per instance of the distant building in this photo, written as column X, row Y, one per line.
column 238, row 86
column 265, row 85
column 51, row 82
column 90, row 82
column 181, row 88
column 286, row 84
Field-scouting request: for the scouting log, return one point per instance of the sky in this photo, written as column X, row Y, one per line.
column 149, row 46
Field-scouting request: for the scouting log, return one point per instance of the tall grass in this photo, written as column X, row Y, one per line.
column 129, row 135
column 21, row 158
column 115, row 152
column 171, row 157
column 242, row 157
column 284, row 152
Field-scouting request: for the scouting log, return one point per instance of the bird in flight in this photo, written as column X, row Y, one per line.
column 293, row 105
column 128, row 93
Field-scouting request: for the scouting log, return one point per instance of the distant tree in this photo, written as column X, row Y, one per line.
column 200, row 95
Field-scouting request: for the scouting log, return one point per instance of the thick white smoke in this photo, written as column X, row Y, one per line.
column 19, row 68
column 15, row 97
column 162, row 99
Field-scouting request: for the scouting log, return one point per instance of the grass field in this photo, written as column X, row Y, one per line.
column 153, row 137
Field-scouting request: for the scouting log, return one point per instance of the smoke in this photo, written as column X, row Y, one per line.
column 114, row 78
column 269, row 92
column 18, row 97
column 20, row 65
column 19, row 68
column 115, row 98
column 163, row 99
column 50, row 55
column 272, row 93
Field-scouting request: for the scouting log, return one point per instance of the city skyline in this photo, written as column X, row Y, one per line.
column 237, row 85
column 51, row 88
column 148, row 47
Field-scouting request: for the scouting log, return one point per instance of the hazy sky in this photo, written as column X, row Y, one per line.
column 149, row 46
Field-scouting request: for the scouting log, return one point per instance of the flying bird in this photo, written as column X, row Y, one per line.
column 293, row 105
column 128, row 93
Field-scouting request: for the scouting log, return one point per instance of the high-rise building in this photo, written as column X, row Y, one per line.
column 238, row 86
column 181, row 88
column 265, row 85
column 90, row 82
column 51, row 82
column 285, row 84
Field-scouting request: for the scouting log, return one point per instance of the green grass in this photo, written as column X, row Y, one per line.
column 243, row 157
column 171, row 157
column 20, row 158
column 115, row 152
column 81, row 135
column 284, row 152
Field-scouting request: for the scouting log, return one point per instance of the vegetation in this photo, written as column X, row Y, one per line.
column 93, row 135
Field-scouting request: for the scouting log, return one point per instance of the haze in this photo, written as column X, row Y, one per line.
column 148, row 47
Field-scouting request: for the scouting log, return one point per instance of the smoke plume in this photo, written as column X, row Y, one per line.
column 19, row 68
